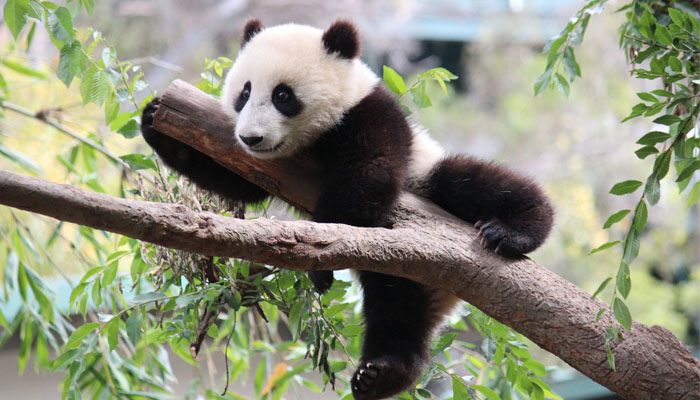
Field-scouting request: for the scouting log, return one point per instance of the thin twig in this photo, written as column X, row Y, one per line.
column 658, row 45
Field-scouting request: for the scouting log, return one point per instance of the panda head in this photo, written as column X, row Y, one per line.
column 290, row 83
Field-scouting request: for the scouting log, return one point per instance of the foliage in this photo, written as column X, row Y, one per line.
column 662, row 42
column 141, row 304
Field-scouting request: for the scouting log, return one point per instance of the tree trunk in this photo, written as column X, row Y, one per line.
column 426, row 245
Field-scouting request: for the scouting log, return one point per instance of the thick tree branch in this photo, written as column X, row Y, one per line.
column 426, row 245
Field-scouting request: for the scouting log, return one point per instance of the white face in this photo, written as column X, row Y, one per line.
column 285, row 89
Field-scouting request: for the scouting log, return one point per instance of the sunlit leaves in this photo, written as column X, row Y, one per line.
column 71, row 62
column 15, row 15
column 394, row 81
column 60, row 24
column 418, row 90
column 79, row 334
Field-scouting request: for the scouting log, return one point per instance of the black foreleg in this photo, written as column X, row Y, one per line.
column 198, row 167
column 512, row 212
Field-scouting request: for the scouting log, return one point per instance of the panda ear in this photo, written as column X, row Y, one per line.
column 252, row 27
column 342, row 38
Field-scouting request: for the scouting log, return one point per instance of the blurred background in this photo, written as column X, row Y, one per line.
column 575, row 147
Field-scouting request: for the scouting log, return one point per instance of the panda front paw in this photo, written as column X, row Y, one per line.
column 499, row 237
column 147, row 130
column 322, row 280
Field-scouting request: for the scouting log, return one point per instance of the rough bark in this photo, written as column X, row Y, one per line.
column 426, row 244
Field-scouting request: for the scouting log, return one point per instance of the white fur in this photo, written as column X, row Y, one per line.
column 425, row 153
column 326, row 84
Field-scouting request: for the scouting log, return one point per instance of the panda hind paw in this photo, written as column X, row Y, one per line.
column 497, row 236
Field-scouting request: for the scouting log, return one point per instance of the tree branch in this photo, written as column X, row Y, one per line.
column 426, row 245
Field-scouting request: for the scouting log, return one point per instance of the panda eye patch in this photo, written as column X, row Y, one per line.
column 285, row 101
column 243, row 97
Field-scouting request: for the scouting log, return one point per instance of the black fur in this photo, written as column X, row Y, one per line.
column 252, row 27
column 343, row 39
column 198, row 167
column 365, row 159
column 285, row 101
column 243, row 97
column 510, row 211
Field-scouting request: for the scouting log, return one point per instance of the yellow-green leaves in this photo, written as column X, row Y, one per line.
column 15, row 15
column 418, row 90
column 394, row 81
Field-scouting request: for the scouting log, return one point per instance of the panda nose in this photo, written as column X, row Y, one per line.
column 251, row 140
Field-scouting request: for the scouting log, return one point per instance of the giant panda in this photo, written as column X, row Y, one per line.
column 295, row 87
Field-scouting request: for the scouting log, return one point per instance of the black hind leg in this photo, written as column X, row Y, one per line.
column 511, row 212
column 400, row 318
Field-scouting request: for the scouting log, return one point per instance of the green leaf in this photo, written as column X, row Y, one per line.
column 459, row 391
column 570, row 65
column 133, row 326
column 490, row 394
column 60, row 24
column 15, row 15
column 652, row 190
column 601, row 287
column 3, row 322
column 662, row 164
column 662, row 93
column 688, row 170
column 694, row 194
column 562, row 84
column 536, row 367
column 625, row 187
column 394, row 81
column 112, row 328
column 615, row 218
column 604, row 247
column 675, row 64
column 667, row 119
column 352, row 330
column 71, row 63
column 443, row 343
column 139, row 161
column 419, row 97
column 663, row 36
column 623, row 281
column 622, row 313
column 79, row 334
column 646, row 151
column 21, row 160
column 640, row 216
column 109, row 57
column 543, row 81
column 100, row 87
column 676, row 16
column 653, row 138
column 611, row 356
column 630, row 247
column 295, row 320
column 647, row 97
column 130, row 129
column 89, row 6
column 600, row 313
column 19, row 68
column 109, row 274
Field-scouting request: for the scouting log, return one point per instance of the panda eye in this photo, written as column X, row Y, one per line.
column 242, row 97
column 281, row 96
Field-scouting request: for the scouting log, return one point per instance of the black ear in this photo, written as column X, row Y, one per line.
column 342, row 38
column 251, row 28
